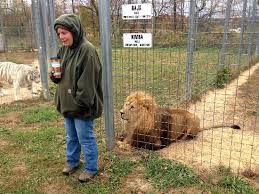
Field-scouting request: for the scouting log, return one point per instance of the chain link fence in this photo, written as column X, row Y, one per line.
column 198, row 48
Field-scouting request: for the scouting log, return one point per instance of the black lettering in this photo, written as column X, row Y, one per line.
column 133, row 7
column 137, row 36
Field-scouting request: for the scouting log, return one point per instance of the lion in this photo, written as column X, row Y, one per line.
column 152, row 127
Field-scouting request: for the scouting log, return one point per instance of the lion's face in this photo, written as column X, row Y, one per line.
column 138, row 112
column 138, row 106
column 130, row 111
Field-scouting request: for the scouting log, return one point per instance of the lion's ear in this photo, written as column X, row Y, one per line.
column 148, row 104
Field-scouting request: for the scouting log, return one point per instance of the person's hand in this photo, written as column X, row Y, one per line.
column 51, row 74
column 53, row 79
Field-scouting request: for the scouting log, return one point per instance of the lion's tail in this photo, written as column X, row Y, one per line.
column 234, row 126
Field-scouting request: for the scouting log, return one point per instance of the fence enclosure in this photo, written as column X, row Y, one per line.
column 197, row 46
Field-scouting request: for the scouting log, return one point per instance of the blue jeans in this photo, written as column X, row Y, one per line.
column 80, row 135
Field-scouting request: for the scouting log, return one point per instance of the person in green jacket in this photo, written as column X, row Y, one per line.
column 79, row 96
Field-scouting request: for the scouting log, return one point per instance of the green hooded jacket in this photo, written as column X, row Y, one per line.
column 79, row 92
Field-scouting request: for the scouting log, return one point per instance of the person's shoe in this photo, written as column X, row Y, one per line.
column 67, row 170
column 86, row 177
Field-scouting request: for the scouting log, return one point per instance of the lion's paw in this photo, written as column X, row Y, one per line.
column 123, row 145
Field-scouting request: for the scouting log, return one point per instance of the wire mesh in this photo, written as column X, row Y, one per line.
column 203, row 61
column 212, row 59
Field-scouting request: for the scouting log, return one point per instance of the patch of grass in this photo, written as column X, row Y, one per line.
column 4, row 130
column 97, row 187
column 7, row 160
column 223, row 170
column 163, row 71
column 41, row 153
column 39, row 114
column 43, row 140
column 223, row 180
column 254, row 112
column 236, row 184
column 214, row 189
column 15, row 107
column 119, row 168
column 165, row 173
column 23, row 191
column 223, row 76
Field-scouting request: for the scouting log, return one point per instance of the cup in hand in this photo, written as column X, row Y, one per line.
column 56, row 68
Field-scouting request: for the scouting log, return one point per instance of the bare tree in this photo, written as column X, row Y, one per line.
column 182, row 13
column 92, row 6
column 158, row 8
column 116, row 20
column 174, row 15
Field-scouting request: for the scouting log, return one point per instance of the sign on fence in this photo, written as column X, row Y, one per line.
column 143, row 40
column 137, row 11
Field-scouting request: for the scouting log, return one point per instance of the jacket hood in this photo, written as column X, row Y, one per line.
column 72, row 23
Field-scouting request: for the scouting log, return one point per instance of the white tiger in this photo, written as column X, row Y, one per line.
column 20, row 75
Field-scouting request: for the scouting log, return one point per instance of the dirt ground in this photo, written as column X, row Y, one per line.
column 9, row 95
column 237, row 103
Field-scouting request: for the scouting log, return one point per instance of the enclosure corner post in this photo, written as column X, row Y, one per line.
column 252, row 32
column 104, row 20
column 225, row 35
column 188, row 87
column 53, row 36
column 2, row 33
column 40, row 15
column 242, row 32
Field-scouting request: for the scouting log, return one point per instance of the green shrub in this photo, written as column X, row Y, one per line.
column 223, row 76
column 224, row 171
column 236, row 185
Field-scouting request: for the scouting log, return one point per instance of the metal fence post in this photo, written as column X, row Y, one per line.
column 104, row 19
column 44, row 20
column 257, row 31
column 2, row 31
column 242, row 32
column 53, row 36
column 1, row 19
column 225, row 36
column 252, row 32
column 41, row 37
column 188, row 89
column 257, row 41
